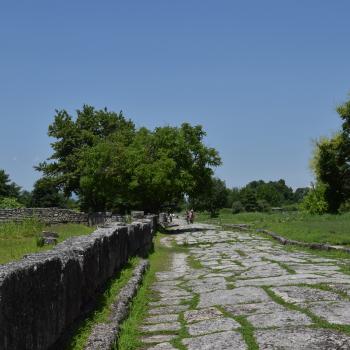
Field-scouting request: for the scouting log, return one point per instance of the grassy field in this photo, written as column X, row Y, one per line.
column 332, row 229
column 18, row 239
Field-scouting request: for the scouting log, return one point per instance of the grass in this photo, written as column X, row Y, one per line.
column 102, row 310
column 331, row 229
column 20, row 238
column 159, row 261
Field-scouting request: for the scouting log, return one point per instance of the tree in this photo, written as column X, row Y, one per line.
column 46, row 194
column 214, row 198
column 331, row 163
column 300, row 193
column 102, row 157
column 73, row 138
column 7, row 188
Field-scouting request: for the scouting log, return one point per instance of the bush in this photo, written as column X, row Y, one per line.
column 237, row 207
column 263, row 205
column 314, row 202
column 10, row 203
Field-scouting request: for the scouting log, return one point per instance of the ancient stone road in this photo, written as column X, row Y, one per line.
column 247, row 293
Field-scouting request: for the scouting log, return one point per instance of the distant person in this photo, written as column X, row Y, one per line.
column 191, row 216
column 187, row 216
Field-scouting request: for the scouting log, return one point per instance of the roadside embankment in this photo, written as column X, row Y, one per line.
column 43, row 294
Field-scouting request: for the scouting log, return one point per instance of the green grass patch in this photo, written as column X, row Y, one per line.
column 331, row 229
column 194, row 263
column 159, row 261
column 102, row 311
column 20, row 238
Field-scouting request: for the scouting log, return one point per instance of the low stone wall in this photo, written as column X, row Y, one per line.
column 47, row 215
column 43, row 294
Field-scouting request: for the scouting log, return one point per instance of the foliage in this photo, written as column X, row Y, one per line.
column 46, row 194
column 10, row 203
column 7, row 188
column 237, row 207
column 315, row 201
column 261, row 196
column 213, row 198
column 331, row 162
column 102, row 157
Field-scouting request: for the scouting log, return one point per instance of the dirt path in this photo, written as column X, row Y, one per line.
column 234, row 290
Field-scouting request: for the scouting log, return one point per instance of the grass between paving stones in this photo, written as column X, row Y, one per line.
column 318, row 321
column 240, row 252
column 102, row 310
column 332, row 229
column 194, row 263
column 20, row 238
column 246, row 329
column 159, row 261
column 281, row 264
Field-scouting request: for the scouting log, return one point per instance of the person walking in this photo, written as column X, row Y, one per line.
column 191, row 216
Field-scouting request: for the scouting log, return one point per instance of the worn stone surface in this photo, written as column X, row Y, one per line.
column 201, row 315
column 302, row 339
column 233, row 296
column 218, row 341
column 213, row 325
column 158, row 338
column 162, row 346
column 337, row 312
column 295, row 294
column 244, row 274
column 160, row 327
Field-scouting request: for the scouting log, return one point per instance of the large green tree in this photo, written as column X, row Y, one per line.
column 102, row 157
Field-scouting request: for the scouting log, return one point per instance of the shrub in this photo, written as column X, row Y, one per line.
column 237, row 207
column 263, row 205
column 10, row 203
column 314, row 202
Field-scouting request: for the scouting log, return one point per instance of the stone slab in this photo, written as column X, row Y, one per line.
column 302, row 339
column 211, row 326
column 218, row 341
column 233, row 296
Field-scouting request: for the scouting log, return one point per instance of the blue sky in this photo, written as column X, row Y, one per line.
column 262, row 77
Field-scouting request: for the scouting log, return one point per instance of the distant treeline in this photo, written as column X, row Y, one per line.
column 263, row 196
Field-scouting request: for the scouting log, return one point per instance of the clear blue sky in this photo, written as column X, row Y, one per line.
column 262, row 77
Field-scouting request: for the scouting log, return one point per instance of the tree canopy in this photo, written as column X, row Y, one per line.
column 109, row 164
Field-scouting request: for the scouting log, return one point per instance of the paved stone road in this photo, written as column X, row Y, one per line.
column 234, row 290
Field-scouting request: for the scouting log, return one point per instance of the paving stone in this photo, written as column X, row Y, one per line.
column 162, row 346
column 158, row 338
column 256, row 308
column 295, row 294
column 302, row 339
column 211, row 326
column 283, row 318
column 218, row 341
column 168, row 310
column 167, row 301
column 332, row 311
column 233, row 296
column 159, row 327
column 201, row 315
column 207, row 284
column 162, row 318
